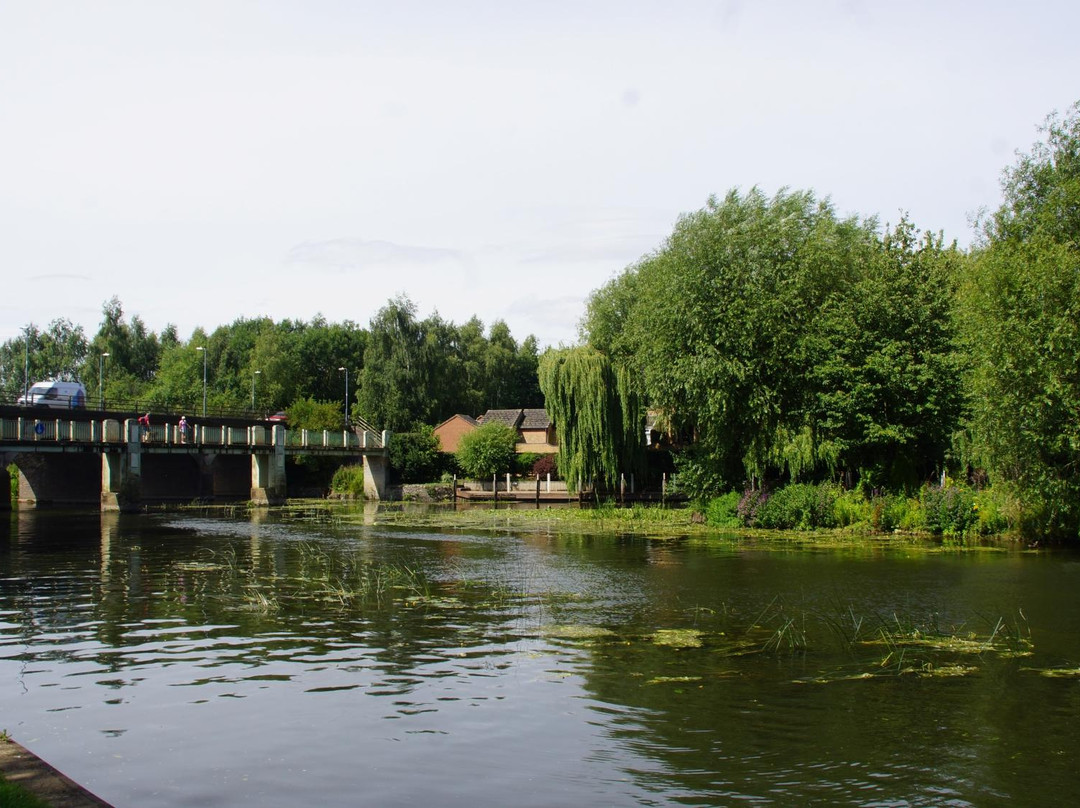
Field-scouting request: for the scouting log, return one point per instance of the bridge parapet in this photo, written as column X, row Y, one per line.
column 41, row 433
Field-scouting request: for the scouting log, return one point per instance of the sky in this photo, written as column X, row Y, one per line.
column 208, row 161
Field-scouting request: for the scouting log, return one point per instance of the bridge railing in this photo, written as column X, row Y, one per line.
column 111, row 431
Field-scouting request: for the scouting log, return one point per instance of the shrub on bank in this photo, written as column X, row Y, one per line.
column 724, row 511
column 799, row 506
column 349, row 481
column 951, row 510
column 546, row 464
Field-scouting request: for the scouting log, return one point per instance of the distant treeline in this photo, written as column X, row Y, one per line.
column 402, row 371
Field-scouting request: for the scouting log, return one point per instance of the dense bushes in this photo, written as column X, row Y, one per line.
column 950, row 510
column 349, row 481
column 415, row 456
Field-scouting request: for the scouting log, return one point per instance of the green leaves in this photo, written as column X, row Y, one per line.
column 597, row 414
column 487, row 450
column 786, row 341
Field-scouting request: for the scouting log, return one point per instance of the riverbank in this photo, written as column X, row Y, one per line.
column 658, row 523
column 23, row 769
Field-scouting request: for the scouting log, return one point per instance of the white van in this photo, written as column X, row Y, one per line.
column 55, row 395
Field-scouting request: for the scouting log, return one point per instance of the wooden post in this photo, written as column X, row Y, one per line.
column 663, row 491
column 622, row 489
column 455, row 490
column 538, row 492
column 495, row 487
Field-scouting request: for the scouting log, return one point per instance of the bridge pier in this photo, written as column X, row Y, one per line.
column 376, row 468
column 121, row 474
column 268, row 472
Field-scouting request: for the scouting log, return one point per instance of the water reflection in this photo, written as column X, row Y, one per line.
column 269, row 659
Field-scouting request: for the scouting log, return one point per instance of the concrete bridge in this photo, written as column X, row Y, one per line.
column 82, row 460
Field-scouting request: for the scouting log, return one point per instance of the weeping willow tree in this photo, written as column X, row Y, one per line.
column 597, row 413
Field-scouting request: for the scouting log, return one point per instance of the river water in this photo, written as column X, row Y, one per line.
column 336, row 659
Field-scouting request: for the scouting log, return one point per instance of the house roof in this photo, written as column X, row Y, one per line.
column 466, row 418
column 532, row 418
column 535, row 419
column 509, row 417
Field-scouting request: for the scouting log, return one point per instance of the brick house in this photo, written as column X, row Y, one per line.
column 451, row 431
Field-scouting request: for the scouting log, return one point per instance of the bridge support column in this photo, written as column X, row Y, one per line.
column 121, row 474
column 268, row 472
column 376, row 468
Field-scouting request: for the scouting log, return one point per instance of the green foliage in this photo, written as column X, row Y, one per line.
column 307, row 413
column 524, row 462
column 723, row 511
column 597, row 414
column 13, row 481
column 1020, row 319
column 424, row 371
column 948, row 510
column 788, row 343
column 349, row 481
column 58, row 352
column 851, row 509
column 415, row 456
column 800, row 506
column 487, row 450
column 998, row 511
column 14, row 795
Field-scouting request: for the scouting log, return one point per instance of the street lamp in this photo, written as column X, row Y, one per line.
column 203, row 350
column 26, row 365
column 346, row 395
column 101, row 380
column 253, row 375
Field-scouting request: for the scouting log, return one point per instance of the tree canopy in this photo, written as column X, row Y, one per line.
column 421, row 371
column 782, row 341
column 597, row 414
column 1021, row 321
column 487, row 450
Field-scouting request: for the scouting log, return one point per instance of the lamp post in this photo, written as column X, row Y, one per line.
column 101, row 380
column 26, row 365
column 253, row 375
column 346, row 395
column 203, row 350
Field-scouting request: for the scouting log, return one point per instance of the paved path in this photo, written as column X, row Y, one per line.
column 21, row 766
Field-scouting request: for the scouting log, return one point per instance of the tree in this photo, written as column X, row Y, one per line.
column 597, row 413
column 884, row 365
column 414, row 456
column 1021, row 321
column 487, row 450
column 394, row 385
column 307, row 413
column 715, row 322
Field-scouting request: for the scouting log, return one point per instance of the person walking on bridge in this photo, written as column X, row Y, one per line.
column 183, row 429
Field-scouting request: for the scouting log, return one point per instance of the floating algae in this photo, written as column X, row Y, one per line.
column 1056, row 673
column 575, row 631
column 677, row 637
column 663, row 680
column 198, row 566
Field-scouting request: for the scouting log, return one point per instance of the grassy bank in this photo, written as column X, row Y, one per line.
column 651, row 521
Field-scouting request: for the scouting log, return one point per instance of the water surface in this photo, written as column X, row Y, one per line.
column 200, row 659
